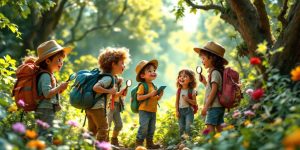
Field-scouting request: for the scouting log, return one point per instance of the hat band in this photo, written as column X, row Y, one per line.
column 52, row 49
column 213, row 51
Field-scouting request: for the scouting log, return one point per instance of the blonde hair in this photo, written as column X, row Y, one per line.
column 111, row 55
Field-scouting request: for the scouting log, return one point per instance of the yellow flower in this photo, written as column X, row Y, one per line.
column 31, row 134
column 262, row 47
column 296, row 74
column 141, row 148
column 277, row 121
column 292, row 140
column 246, row 144
column 230, row 127
column 217, row 135
column 36, row 144
column 247, row 123
column 12, row 108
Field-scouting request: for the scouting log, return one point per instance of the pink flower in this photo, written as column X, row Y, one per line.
column 206, row 131
column 21, row 103
column 43, row 124
column 249, row 91
column 236, row 114
column 19, row 127
column 255, row 61
column 103, row 145
column 86, row 135
column 257, row 94
column 249, row 113
column 73, row 123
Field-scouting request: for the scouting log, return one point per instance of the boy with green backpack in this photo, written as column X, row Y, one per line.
column 147, row 97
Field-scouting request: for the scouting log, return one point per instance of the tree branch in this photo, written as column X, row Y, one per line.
column 264, row 20
column 281, row 17
column 205, row 7
column 78, row 19
column 100, row 26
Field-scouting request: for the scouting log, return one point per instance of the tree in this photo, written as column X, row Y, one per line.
column 251, row 20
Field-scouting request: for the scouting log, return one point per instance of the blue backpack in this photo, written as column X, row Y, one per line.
column 82, row 95
column 134, row 102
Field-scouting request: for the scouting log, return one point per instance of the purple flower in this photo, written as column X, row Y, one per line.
column 103, row 145
column 249, row 91
column 43, row 124
column 19, row 127
column 73, row 123
column 21, row 103
column 249, row 113
column 236, row 114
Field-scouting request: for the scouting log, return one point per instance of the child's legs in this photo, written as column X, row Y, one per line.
column 117, row 119
column 144, row 119
column 214, row 118
column 100, row 119
column 182, row 120
column 91, row 123
column 151, row 127
column 46, row 115
column 189, row 121
column 110, row 117
column 220, row 120
column 210, row 127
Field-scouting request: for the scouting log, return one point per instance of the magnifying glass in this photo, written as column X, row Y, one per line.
column 72, row 77
column 199, row 71
column 128, row 84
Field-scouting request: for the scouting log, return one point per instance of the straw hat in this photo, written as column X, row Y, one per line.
column 141, row 65
column 48, row 49
column 213, row 47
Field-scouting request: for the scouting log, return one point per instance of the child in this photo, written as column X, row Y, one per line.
column 114, row 114
column 186, row 96
column 212, row 56
column 111, row 61
column 50, row 59
column 146, row 72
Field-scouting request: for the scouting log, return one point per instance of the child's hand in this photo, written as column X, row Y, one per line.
column 177, row 114
column 161, row 94
column 202, row 79
column 112, row 91
column 63, row 86
column 185, row 98
column 123, row 92
column 153, row 93
column 204, row 111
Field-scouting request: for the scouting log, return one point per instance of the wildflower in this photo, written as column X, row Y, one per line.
column 292, row 140
column 19, row 127
column 21, row 103
column 141, row 148
column 247, row 123
column 255, row 106
column 103, row 145
column 217, row 135
column 257, row 94
column 12, row 108
column 206, row 131
column 255, row 61
column 249, row 91
column 295, row 73
column 236, row 114
column 249, row 113
column 229, row 127
column 43, row 124
column 36, row 144
column 73, row 123
column 57, row 140
column 86, row 135
column 31, row 134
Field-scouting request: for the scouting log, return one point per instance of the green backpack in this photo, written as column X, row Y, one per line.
column 134, row 102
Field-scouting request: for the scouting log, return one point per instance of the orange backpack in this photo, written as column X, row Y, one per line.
column 25, row 87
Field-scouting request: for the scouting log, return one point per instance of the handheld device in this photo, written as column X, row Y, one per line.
column 160, row 89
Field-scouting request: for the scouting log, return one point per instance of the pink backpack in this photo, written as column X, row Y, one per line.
column 231, row 94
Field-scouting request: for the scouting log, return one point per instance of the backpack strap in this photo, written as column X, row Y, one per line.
column 209, row 77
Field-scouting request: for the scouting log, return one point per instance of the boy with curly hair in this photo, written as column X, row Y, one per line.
column 111, row 61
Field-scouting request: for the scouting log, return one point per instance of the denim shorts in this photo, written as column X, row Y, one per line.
column 215, row 116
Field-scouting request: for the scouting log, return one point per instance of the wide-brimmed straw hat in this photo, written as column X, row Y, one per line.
column 48, row 49
column 141, row 65
column 213, row 47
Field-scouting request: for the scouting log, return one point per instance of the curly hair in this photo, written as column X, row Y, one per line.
column 217, row 61
column 192, row 77
column 111, row 55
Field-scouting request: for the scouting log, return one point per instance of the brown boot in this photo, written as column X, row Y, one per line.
column 115, row 142
column 139, row 143
column 151, row 145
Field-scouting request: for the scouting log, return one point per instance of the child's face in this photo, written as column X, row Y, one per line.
column 55, row 64
column 184, row 79
column 119, row 67
column 207, row 62
column 149, row 74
